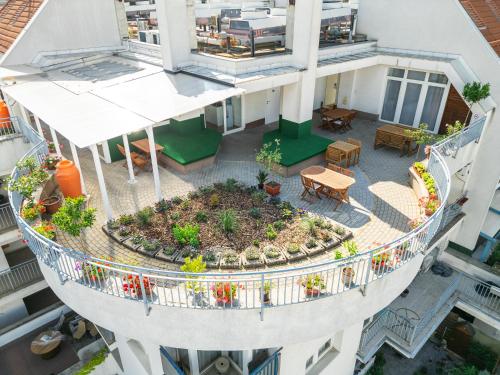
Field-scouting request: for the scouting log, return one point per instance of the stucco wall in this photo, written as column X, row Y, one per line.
column 66, row 25
column 444, row 27
column 255, row 106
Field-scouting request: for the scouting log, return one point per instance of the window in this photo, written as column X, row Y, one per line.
column 324, row 348
column 239, row 25
column 412, row 97
column 309, row 362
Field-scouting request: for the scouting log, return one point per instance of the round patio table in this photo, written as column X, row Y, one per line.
column 47, row 344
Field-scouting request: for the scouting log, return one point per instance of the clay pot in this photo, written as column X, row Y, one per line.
column 272, row 189
column 347, row 275
column 4, row 116
column 52, row 204
column 68, row 179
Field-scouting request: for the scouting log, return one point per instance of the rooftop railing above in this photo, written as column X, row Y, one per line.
column 258, row 290
column 7, row 218
column 19, row 277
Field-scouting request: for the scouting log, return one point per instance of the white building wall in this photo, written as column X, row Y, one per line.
column 345, row 97
column 445, row 27
column 61, row 25
column 255, row 106
column 319, row 92
column 11, row 151
column 12, row 312
column 369, row 88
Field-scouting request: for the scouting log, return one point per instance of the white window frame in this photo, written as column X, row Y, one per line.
column 243, row 122
column 423, row 93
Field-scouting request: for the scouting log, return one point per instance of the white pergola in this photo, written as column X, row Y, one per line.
column 110, row 104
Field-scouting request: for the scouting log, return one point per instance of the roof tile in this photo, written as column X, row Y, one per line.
column 486, row 16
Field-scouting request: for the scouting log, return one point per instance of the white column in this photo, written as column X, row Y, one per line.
column 77, row 163
column 193, row 362
column 38, row 126
column 131, row 175
column 102, row 183
column 56, row 142
column 224, row 115
column 24, row 114
column 154, row 162
column 247, row 358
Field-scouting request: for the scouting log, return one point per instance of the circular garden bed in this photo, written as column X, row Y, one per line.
column 231, row 226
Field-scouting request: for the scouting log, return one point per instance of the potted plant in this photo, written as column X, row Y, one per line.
column 252, row 257
column 230, row 260
column 50, row 162
column 224, row 292
column 313, row 285
column 266, row 293
column 380, row 261
column 473, row 93
column 193, row 266
column 93, row 272
column 32, row 210
column 270, row 157
column 419, row 168
column 421, row 136
column 430, row 206
column 132, row 286
column 273, row 255
column 52, row 147
column 313, row 247
column 261, row 178
column 72, row 217
column 211, row 257
column 46, row 229
column 294, row 252
column 52, row 204
column 348, row 275
column 351, row 247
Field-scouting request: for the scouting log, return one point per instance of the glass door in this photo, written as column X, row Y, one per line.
column 233, row 112
column 410, row 103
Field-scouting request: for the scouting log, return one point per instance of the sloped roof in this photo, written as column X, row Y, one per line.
column 486, row 16
column 14, row 16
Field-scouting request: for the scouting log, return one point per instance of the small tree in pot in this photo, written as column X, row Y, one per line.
column 72, row 217
column 270, row 156
column 473, row 93
column 348, row 273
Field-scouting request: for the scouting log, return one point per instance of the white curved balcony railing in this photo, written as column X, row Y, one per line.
column 178, row 289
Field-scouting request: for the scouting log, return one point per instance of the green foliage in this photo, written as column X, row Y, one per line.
column 315, row 281
column 169, row 250
column 495, row 256
column 228, row 221
column 187, row 235
column 125, row 219
column 481, row 356
column 176, row 200
column 255, row 213
column 421, row 135
column 419, row 167
column 230, row 256
column 286, row 214
column 144, row 217
column 351, row 247
column 175, row 216
column 124, row 231
column 72, row 217
column 339, row 230
column 150, row 246
column 214, row 200
column 46, row 229
column 269, row 155
column 262, row 176
column 258, row 197
column 201, row 217
column 93, row 363
column 309, row 224
column 293, row 248
column 28, row 164
column 475, row 92
column 338, row 254
column 196, row 265
column 137, row 239
column 271, row 233
column 378, row 366
column 464, row 370
column 311, row 243
column 231, row 185
column 252, row 253
column 256, row 243
column 272, row 252
column 429, row 182
column 209, row 256
column 185, row 205
column 163, row 206
column 279, row 225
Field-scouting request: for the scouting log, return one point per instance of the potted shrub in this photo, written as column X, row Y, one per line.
column 187, row 252
column 380, row 261
column 92, row 272
column 187, row 234
column 473, row 93
column 430, row 206
column 328, row 240
column 72, row 218
column 230, row 260
column 273, row 255
column 313, row 285
column 341, row 232
column 351, row 247
column 196, row 290
column 313, row 247
column 348, row 275
column 32, row 210
column 50, row 162
column 212, row 257
column 252, row 257
column 168, row 253
column 261, row 178
column 134, row 242
column 46, row 229
column 149, row 247
column 52, row 204
column 294, row 253
column 419, row 168
column 132, row 286
column 224, row 292
column 270, row 157
column 266, row 293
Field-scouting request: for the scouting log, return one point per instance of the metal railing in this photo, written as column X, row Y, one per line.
column 243, row 290
column 463, row 287
column 19, row 276
column 271, row 366
column 7, row 218
column 7, row 129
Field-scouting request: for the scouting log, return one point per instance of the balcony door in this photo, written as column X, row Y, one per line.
column 413, row 97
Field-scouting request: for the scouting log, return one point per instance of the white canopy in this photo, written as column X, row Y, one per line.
column 91, row 110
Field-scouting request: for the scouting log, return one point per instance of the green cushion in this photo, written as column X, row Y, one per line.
column 296, row 150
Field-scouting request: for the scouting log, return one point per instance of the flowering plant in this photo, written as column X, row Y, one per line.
column 224, row 292
column 32, row 210
column 92, row 271
column 313, row 284
column 46, row 229
column 132, row 285
column 50, row 162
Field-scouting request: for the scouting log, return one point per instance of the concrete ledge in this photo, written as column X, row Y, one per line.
column 167, row 162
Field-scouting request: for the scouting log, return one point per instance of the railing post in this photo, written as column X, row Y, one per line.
column 262, row 297
column 367, row 277
column 144, row 296
column 55, row 263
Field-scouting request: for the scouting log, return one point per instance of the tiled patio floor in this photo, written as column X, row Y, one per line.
column 382, row 203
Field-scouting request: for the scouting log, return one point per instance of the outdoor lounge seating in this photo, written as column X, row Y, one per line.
column 338, row 169
column 335, row 156
column 138, row 161
column 309, row 187
column 358, row 143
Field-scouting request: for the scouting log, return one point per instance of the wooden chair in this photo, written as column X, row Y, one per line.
column 358, row 143
column 138, row 161
column 338, row 169
column 342, row 194
column 335, row 156
column 309, row 187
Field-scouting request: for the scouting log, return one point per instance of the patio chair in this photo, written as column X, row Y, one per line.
column 309, row 187
column 335, row 156
column 344, row 171
column 138, row 161
column 358, row 143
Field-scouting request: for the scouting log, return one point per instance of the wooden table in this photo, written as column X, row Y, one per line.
column 347, row 148
column 143, row 145
column 330, row 181
column 47, row 344
column 394, row 136
column 337, row 113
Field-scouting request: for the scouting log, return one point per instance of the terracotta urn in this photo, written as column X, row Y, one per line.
column 68, row 179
